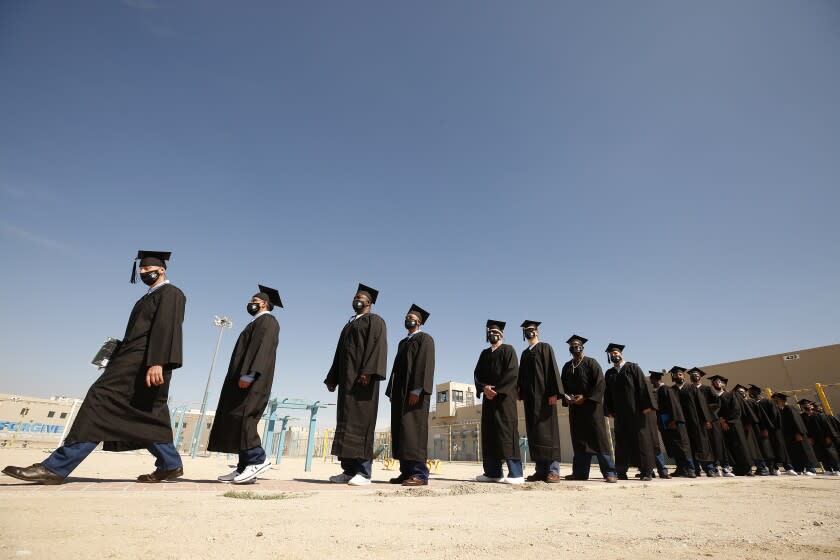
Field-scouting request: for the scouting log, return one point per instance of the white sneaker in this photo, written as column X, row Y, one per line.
column 340, row 478
column 836, row 473
column 483, row 478
column 809, row 473
column 514, row 480
column 790, row 472
column 358, row 480
column 228, row 477
column 774, row 472
column 250, row 472
column 728, row 474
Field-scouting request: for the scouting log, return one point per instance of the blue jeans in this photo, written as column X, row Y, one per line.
column 416, row 469
column 493, row 468
column 581, row 463
column 542, row 468
column 352, row 467
column 67, row 457
column 660, row 464
column 253, row 456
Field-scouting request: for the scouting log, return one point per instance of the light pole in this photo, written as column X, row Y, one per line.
column 222, row 323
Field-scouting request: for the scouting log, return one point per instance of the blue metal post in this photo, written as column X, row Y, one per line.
column 310, row 444
column 268, row 429
column 282, row 443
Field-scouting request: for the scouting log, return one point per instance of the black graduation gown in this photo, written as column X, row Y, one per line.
column 539, row 379
column 119, row 409
column 820, row 430
column 775, row 434
column 696, row 415
column 586, row 421
column 716, row 433
column 801, row 453
column 651, row 420
column 736, row 439
column 239, row 410
column 414, row 368
column 761, row 424
column 670, row 409
column 499, row 418
column 627, row 394
column 362, row 349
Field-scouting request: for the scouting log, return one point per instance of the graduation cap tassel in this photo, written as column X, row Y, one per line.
column 134, row 273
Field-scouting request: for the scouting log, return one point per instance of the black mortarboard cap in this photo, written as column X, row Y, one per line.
column 677, row 369
column 780, row 396
column 697, row 370
column 498, row 324
column 739, row 386
column 803, row 402
column 369, row 291
column 149, row 258
column 270, row 295
column 755, row 388
column 613, row 346
column 578, row 338
column 720, row 377
column 424, row 315
column 656, row 374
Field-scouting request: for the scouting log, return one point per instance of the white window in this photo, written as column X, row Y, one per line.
column 442, row 396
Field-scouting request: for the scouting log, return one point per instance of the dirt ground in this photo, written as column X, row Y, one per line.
column 101, row 513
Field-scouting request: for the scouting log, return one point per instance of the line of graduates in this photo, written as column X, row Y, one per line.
column 704, row 428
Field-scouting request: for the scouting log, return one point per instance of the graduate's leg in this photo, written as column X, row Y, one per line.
column 541, row 468
column 364, row 467
column 66, row 458
column 253, row 456
column 514, row 468
column 243, row 460
column 606, row 464
column 661, row 469
column 348, row 466
column 492, row 467
column 167, row 457
column 419, row 469
column 554, row 467
column 581, row 462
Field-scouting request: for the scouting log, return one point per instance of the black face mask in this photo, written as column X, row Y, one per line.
column 494, row 338
column 149, row 278
column 253, row 308
column 615, row 359
column 528, row 335
column 410, row 323
column 575, row 349
column 358, row 305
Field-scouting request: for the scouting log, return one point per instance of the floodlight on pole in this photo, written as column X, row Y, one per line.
column 223, row 323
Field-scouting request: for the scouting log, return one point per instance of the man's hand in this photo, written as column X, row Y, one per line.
column 765, row 433
column 413, row 399
column 489, row 392
column 798, row 437
column 552, row 400
column 364, row 379
column 646, row 410
column 672, row 425
column 708, row 425
column 578, row 400
column 154, row 376
column 724, row 425
column 244, row 384
column 330, row 388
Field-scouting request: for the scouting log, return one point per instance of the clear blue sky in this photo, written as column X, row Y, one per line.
column 658, row 174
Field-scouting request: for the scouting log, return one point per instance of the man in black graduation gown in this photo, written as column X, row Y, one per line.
column 359, row 365
column 410, row 389
column 539, row 389
column 698, row 421
column 652, row 422
column 821, row 435
column 751, row 422
column 495, row 377
column 716, row 441
column 729, row 417
column 672, row 425
column 126, row 408
column 831, row 430
column 583, row 380
column 628, row 401
column 246, row 390
column 799, row 448
column 771, row 432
